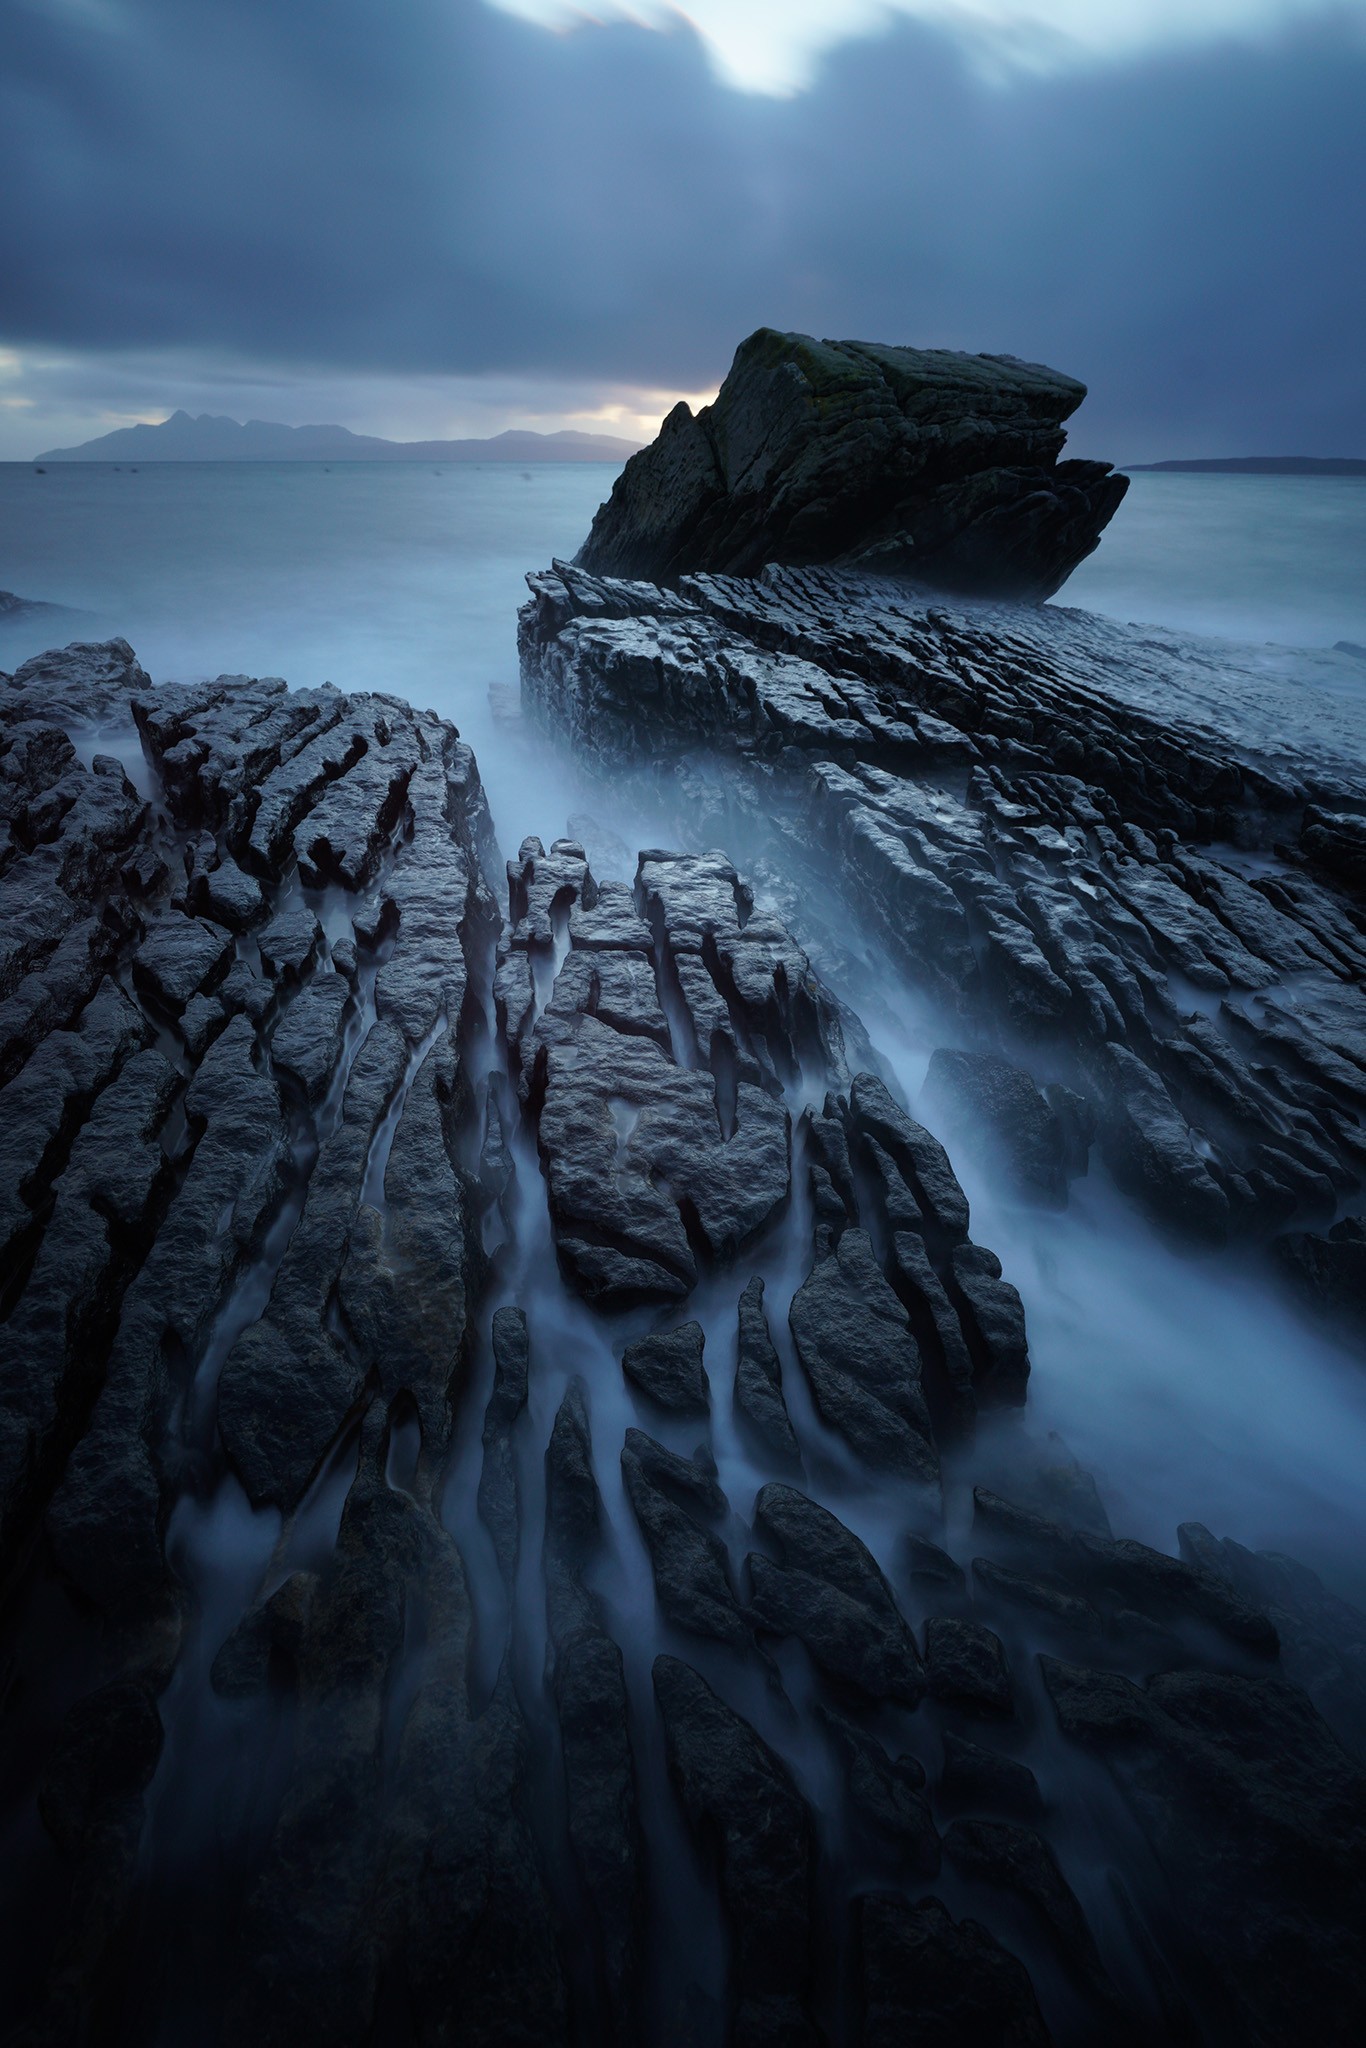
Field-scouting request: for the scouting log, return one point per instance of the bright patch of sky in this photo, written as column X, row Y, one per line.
column 468, row 222
column 774, row 46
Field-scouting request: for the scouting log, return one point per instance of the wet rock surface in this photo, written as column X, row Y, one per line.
column 666, row 1144
column 827, row 1591
column 949, row 1980
column 520, row 1513
column 925, row 462
column 1326, row 1270
column 1137, row 932
column 741, row 1799
column 1000, row 1103
column 1273, row 1865
column 668, row 1368
column 759, row 1376
column 855, row 1344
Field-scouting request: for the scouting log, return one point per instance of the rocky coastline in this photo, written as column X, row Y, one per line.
column 1172, row 925
column 519, row 1513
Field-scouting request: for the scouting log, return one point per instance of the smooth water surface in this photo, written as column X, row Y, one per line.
column 1246, row 557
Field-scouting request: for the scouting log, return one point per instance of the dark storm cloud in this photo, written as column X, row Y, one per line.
column 433, row 186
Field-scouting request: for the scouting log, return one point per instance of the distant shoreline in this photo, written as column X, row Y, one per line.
column 1256, row 465
column 216, row 438
column 43, row 462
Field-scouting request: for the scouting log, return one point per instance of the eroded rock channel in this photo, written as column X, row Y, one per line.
column 520, row 1519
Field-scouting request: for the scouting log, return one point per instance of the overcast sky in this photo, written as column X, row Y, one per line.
column 441, row 216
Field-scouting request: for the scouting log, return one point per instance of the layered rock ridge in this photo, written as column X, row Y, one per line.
column 921, row 463
column 499, row 1536
column 1152, row 920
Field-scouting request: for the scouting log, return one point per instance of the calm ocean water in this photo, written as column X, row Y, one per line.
column 1247, row 557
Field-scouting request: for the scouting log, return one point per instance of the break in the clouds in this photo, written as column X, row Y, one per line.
column 775, row 45
column 329, row 199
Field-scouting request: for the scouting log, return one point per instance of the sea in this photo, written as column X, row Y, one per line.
column 400, row 577
column 1188, row 1385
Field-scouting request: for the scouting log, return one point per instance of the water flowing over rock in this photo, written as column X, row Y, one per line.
column 519, row 1512
column 923, row 463
column 1105, row 900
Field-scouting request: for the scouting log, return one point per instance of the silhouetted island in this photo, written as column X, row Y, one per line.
column 1259, row 465
column 216, row 438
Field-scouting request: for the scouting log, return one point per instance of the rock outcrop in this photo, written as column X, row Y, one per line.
column 1128, row 923
column 919, row 463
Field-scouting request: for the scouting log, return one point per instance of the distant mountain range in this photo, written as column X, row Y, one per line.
column 1262, row 465
column 14, row 608
column 215, row 438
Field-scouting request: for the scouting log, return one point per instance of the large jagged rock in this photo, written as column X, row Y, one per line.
column 402, row 1282
column 925, row 463
column 924, row 1977
column 665, row 1139
column 998, row 1105
column 627, row 1139
column 978, row 1777
column 667, row 1367
column 498, row 1491
column 829, row 1592
column 886, row 1793
column 1018, row 1860
column 1322, row 1636
column 200, row 1295
column 759, row 1379
column 855, row 1344
column 589, row 1686
column 966, row 1664
column 691, row 1568
column 1131, row 1575
column 1328, row 1273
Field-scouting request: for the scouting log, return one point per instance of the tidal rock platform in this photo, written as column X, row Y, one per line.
column 519, row 1519
column 1159, row 922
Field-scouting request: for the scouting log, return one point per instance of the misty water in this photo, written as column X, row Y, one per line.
column 1188, row 1384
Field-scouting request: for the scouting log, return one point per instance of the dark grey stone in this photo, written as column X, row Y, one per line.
column 856, row 1348
column 668, row 1367
column 998, row 1105
column 740, row 1800
column 1258, row 1818
column 979, row 1777
column 886, row 1793
column 690, row 1563
column 759, row 1379
column 918, row 462
column 966, row 1666
column 942, row 1983
column 498, row 1498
